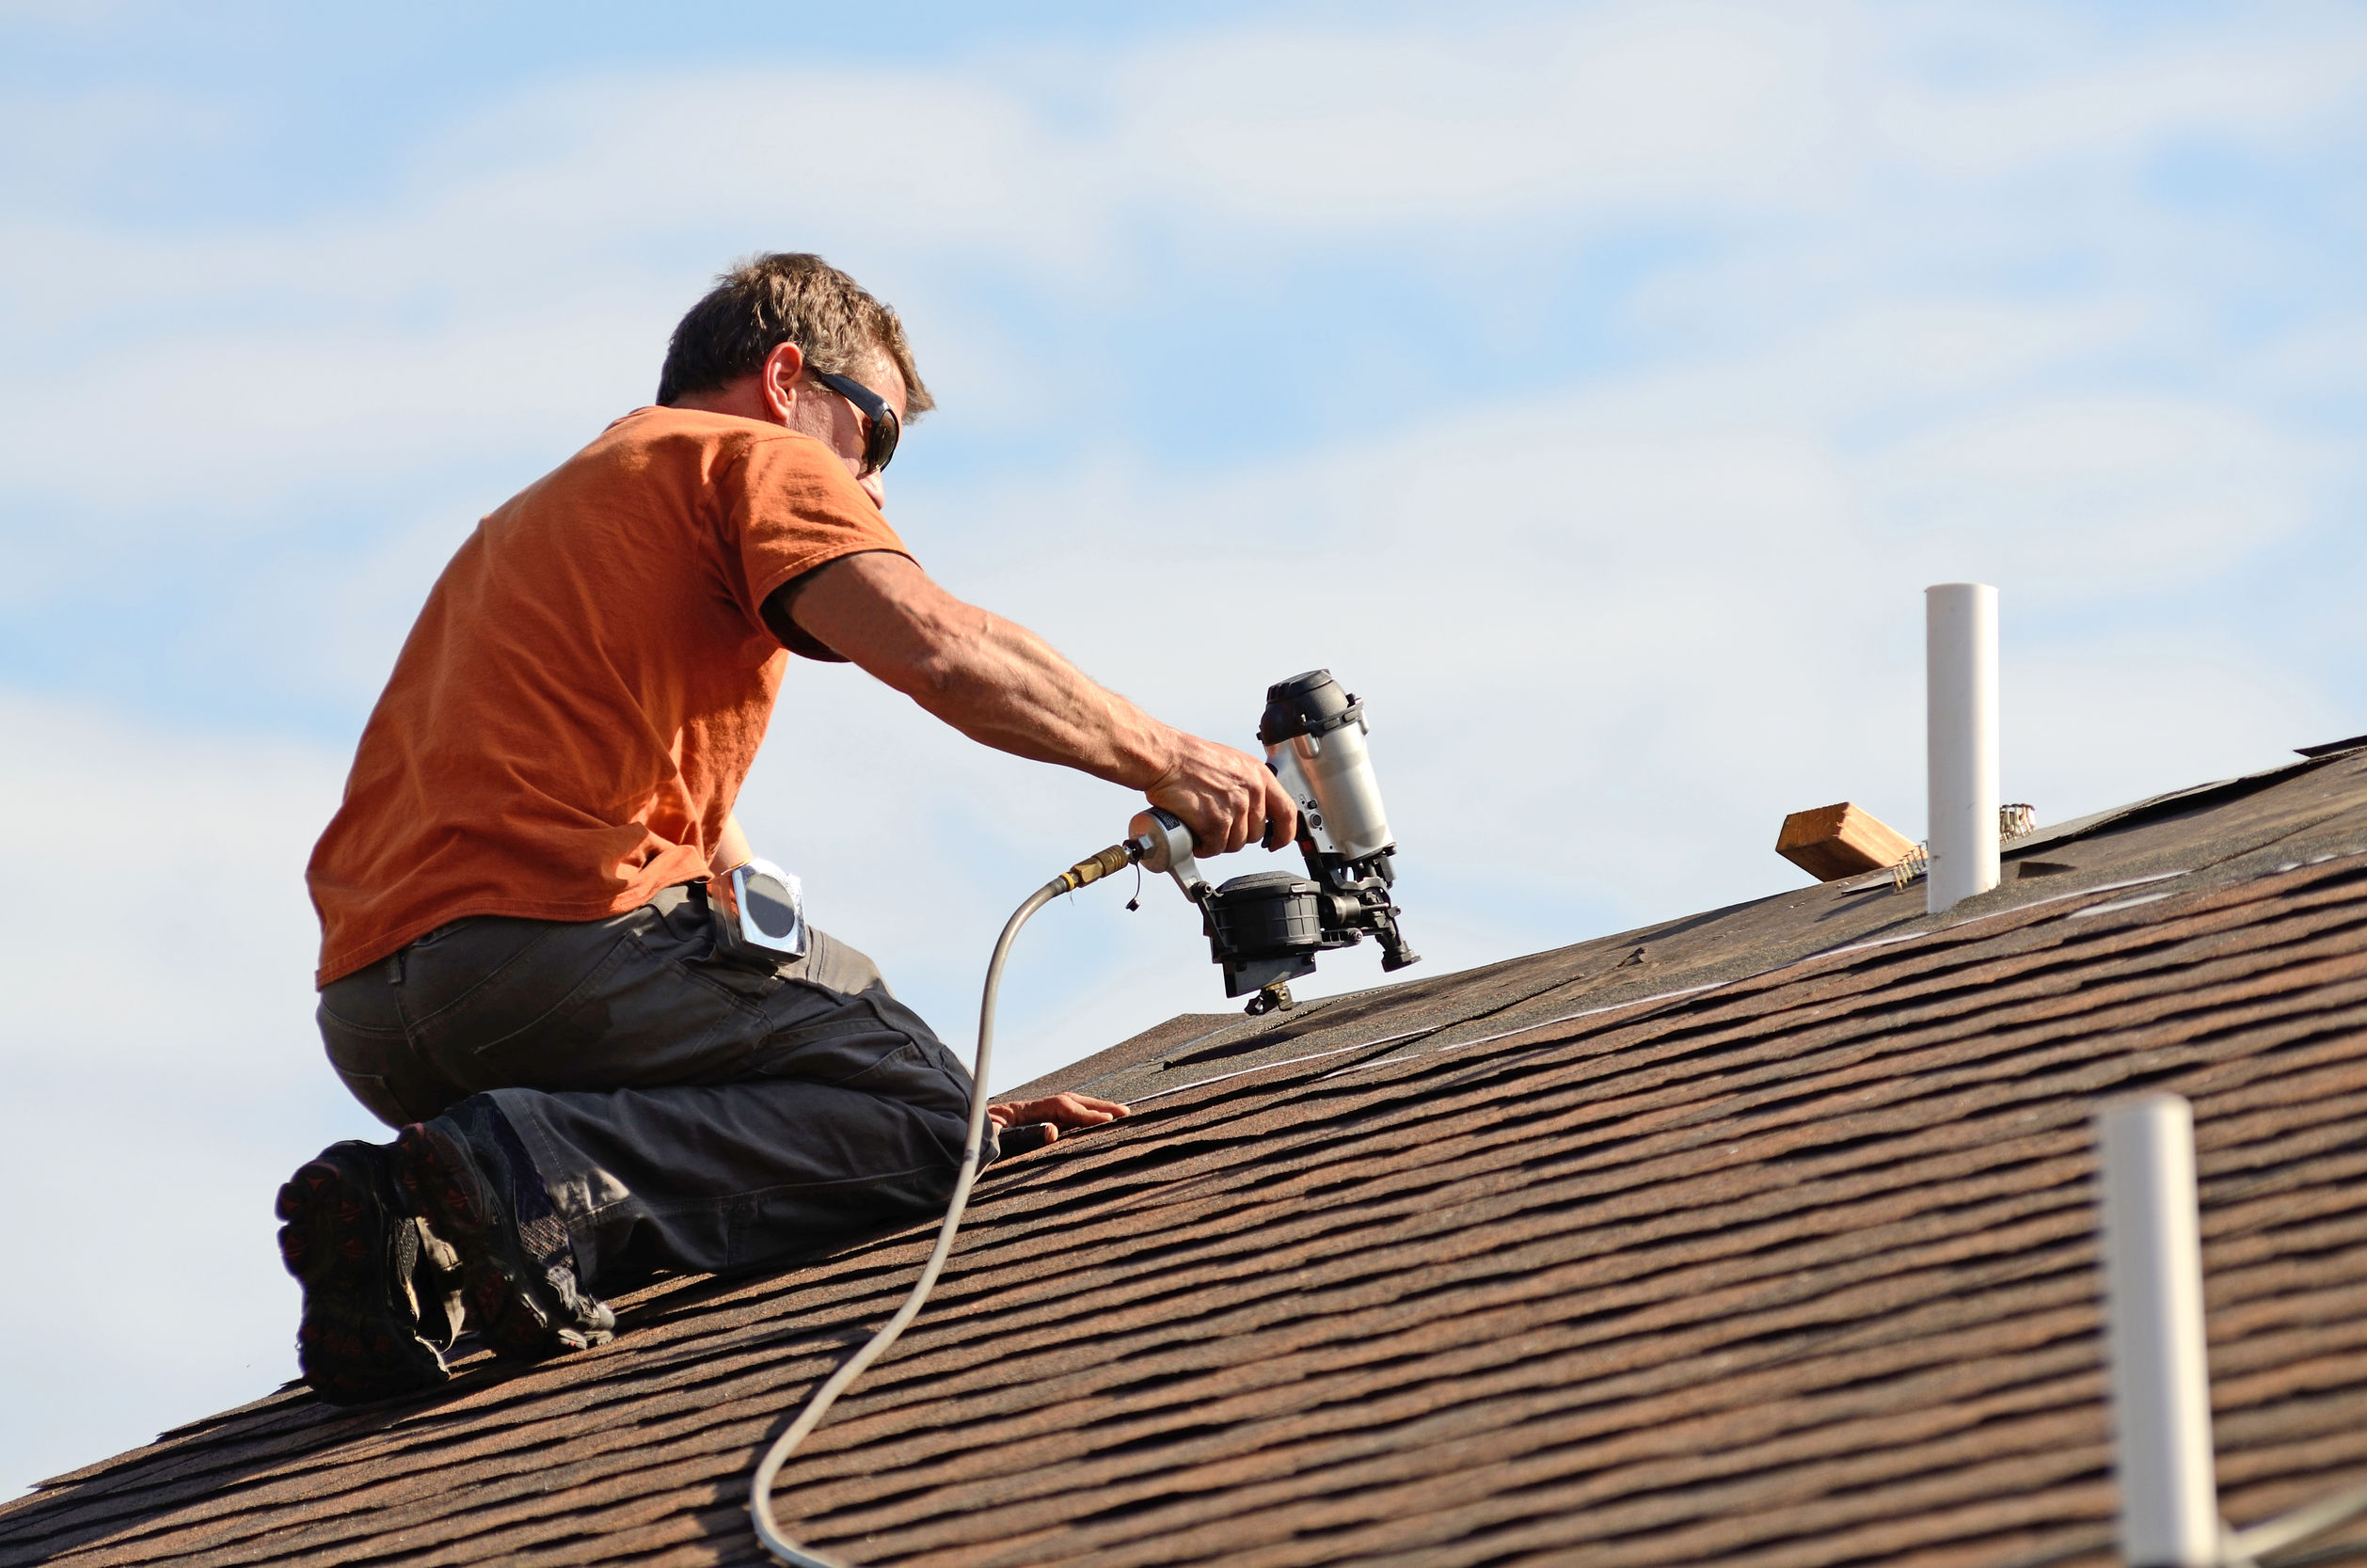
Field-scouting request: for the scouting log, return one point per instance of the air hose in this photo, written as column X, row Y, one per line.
column 1116, row 858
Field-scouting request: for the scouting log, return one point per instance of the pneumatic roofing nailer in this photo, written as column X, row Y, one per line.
column 1265, row 929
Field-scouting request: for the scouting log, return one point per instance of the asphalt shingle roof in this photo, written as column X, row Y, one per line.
column 1764, row 1236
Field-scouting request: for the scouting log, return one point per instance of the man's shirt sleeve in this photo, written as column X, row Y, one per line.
column 790, row 506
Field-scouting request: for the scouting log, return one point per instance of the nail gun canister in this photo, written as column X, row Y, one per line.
column 1313, row 732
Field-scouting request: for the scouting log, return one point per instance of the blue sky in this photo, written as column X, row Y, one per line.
column 1594, row 386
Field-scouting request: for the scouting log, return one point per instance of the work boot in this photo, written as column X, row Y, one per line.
column 367, row 1332
column 518, row 1278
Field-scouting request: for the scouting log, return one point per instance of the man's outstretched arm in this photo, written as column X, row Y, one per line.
column 1003, row 686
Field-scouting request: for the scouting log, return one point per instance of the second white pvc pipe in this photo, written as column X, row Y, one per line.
column 1960, row 739
column 2160, row 1376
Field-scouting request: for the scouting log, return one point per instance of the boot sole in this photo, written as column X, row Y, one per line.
column 352, row 1345
column 505, row 1308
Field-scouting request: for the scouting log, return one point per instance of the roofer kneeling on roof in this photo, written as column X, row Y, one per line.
column 520, row 964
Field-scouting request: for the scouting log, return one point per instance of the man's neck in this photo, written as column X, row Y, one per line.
column 743, row 398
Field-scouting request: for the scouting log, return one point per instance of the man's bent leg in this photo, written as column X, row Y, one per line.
column 732, row 1176
column 586, row 1035
column 851, row 1115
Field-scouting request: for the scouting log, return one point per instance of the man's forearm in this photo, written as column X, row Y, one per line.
column 994, row 680
column 1004, row 686
column 1000, row 684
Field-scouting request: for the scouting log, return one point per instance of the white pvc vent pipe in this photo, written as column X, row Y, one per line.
column 2161, row 1381
column 1960, row 650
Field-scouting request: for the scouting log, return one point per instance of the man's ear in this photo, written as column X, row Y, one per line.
column 776, row 380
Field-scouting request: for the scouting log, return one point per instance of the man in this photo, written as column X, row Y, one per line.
column 520, row 966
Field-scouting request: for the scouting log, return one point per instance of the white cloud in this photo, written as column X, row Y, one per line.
column 2118, row 717
column 2100, row 497
column 2003, row 88
column 521, row 276
column 1661, row 108
column 55, row 147
column 171, row 935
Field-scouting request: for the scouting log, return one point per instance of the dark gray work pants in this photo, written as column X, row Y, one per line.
column 684, row 1114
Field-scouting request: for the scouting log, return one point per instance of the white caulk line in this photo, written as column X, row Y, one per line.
column 1541, row 1024
column 1827, row 953
column 1695, row 990
column 1856, row 947
column 2315, row 860
column 2023, row 907
column 1286, row 1061
column 2103, row 887
column 1417, row 1033
column 2058, row 898
column 2117, row 904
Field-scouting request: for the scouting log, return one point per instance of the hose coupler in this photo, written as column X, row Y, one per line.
column 1116, row 858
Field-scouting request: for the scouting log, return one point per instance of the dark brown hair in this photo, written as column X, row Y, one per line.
column 785, row 297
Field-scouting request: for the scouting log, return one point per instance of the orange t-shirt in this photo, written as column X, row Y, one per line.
column 570, row 720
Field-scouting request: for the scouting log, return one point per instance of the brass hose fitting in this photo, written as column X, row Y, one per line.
column 1116, row 858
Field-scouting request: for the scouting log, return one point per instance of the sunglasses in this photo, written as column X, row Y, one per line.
column 880, row 435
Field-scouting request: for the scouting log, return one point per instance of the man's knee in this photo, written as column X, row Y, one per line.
column 874, row 1047
column 836, row 1023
